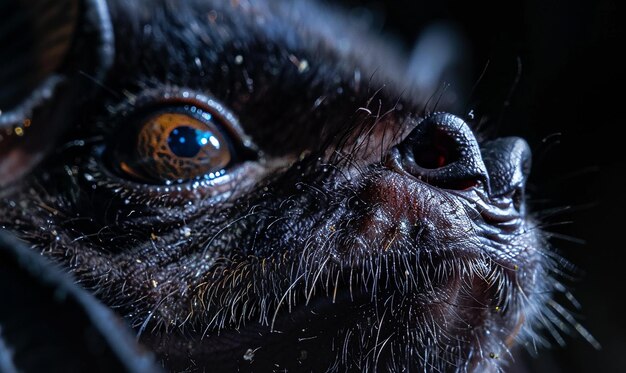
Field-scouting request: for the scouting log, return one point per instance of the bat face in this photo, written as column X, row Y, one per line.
column 260, row 186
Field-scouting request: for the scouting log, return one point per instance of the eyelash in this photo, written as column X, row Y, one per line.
column 122, row 113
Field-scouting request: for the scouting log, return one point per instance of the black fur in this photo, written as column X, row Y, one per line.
column 318, row 255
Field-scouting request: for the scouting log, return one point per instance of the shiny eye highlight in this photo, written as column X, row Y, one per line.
column 175, row 144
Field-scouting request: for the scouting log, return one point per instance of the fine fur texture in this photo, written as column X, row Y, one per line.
column 323, row 250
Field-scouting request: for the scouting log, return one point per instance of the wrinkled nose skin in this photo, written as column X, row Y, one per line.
column 508, row 161
column 443, row 151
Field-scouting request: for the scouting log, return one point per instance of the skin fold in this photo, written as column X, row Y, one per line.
column 362, row 225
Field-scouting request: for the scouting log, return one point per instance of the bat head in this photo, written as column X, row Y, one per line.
column 263, row 185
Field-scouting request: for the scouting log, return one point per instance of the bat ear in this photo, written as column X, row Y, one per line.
column 35, row 41
column 49, row 324
column 46, row 50
column 440, row 63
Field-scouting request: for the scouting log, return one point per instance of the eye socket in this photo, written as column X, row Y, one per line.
column 176, row 143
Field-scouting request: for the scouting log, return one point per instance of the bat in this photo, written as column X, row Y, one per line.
column 254, row 186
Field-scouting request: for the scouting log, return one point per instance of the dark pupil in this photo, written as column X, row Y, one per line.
column 186, row 141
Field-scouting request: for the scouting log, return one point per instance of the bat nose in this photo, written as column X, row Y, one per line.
column 508, row 161
column 442, row 151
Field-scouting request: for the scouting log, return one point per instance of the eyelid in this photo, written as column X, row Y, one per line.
column 153, row 99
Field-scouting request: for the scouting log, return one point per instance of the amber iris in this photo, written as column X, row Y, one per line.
column 175, row 146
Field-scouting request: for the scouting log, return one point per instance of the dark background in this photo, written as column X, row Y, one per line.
column 568, row 105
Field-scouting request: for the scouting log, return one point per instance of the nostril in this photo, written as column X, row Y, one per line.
column 443, row 152
column 435, row 149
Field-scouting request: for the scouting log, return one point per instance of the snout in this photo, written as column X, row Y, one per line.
column 443, row 151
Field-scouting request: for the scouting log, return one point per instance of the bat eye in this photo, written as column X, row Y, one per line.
column 175, row 144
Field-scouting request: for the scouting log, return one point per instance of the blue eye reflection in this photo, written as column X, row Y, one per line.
column 185, row 141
